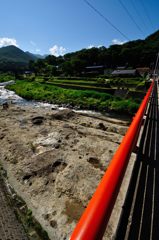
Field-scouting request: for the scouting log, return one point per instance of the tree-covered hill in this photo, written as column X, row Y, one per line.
column 138, row 53
column 133, row 54
column 12, row 58
column 14, row 54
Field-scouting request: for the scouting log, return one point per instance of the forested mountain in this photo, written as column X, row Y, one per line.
column 138, row 53
column 14, row 54
column 35, row 56
column 12, row 58
column 133, row 54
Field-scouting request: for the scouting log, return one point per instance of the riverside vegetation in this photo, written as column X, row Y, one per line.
column 56, row 86
column 84, row 96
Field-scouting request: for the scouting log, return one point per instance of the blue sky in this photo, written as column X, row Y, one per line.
column 59, row 26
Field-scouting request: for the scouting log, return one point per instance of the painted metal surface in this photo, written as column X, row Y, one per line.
column 93, row 222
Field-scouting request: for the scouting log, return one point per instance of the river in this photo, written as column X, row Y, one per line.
column 12, row 98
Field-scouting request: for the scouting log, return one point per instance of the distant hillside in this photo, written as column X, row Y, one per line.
column 135, row 53
column 153, row 37
column 39, row 56
column 33, row 56
column 14, row 59
column 139, row 52
column 132, row 54
column 15, row 55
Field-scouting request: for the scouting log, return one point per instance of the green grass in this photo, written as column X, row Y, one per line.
column 72, row 81
column 130, row 83
column 79, row 83
column 127, row 82
column 85, row 99
column 6, row 77
column 83, row 87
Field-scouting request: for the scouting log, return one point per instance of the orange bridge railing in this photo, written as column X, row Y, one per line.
column 93, row 222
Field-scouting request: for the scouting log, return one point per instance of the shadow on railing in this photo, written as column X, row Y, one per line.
column 93, row 222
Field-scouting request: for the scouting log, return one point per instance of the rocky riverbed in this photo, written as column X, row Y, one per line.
column 55, row 159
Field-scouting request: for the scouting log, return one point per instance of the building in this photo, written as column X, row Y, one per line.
column 94, row 70
column 125, row 73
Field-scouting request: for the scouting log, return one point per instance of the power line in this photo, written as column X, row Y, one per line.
column 146, row 13
column 106, row 19
column 130, row 16
column 156, row 65
column 137, row 12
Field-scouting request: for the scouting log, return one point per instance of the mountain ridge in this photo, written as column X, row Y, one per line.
column 14, row 54
column 136, row 53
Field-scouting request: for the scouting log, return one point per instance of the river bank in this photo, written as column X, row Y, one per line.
column 77, row 99
column 56, row 157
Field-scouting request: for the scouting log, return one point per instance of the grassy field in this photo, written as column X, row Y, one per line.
column 6, row 77
column 83, row 87
column 97, row 82
column 85, row 99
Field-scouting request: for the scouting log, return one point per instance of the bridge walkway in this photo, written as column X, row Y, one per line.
column 140, row 214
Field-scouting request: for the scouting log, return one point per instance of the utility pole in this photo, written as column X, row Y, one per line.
column 155, row 73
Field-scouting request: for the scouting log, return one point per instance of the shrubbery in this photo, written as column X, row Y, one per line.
column 4, row 77
column 83, row 98
column 124, row 106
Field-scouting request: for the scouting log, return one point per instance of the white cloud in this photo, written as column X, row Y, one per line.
column 8, row 41
column 57, row 50
column 90, row 46
column 117, row 41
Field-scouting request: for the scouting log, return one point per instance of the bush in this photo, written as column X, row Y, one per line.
column 84, row 98
column 5, row 77
column 124, row 106
column 100, row 80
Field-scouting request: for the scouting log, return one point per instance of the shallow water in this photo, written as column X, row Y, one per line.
column 11, row 97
